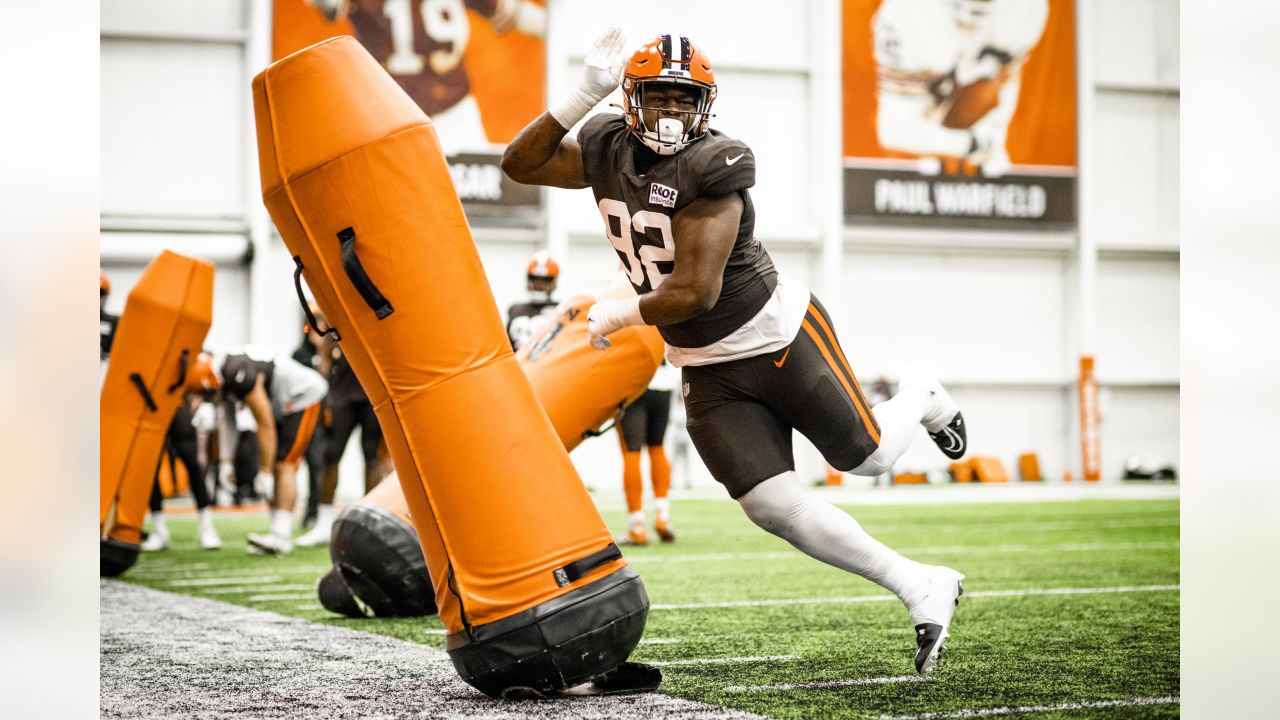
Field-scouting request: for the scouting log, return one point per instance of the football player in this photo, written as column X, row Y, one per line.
column 284, row 397
column 644, row 425
column 949, row 73
column 182, row 443
column 106, row 321
column 525, row 319
column 346, row 408
column 757, row 351
column 421, row 44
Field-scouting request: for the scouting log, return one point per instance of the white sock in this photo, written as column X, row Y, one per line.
column 204, row 520
column 898, row 419
column 827, row 533
column 282, row 523
column 158, row 525
column 325, row 515
column 662, row 507
column 637, row 518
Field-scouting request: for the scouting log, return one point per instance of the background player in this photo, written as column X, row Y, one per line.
column 183, row 444
column 644, row 424
column 525, row 319
column 106, row 321
column 949, row 73
column 757, row 350
column 284, row 397
column 346, row 407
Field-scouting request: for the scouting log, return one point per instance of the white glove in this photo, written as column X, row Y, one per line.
column 610, row 316
column 601, row 71
column 265, row 482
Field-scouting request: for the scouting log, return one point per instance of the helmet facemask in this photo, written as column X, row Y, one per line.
column 676, row 124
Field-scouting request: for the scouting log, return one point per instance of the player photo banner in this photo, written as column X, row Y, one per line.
column 960, row 113
column 476, row 67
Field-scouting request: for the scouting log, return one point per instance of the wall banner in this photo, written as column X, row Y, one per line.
column 476, row 67
column 960, row 113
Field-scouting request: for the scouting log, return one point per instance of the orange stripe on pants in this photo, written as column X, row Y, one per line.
column 306, row 427
column 872, row 428
column 830, row 335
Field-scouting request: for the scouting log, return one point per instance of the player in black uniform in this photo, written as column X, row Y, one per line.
column 182, row 443
column 284, row 397
column 107, row 322
column 523, row 317
column 758, row 354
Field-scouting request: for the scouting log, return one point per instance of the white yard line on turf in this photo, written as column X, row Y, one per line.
column 938, row 550
column 1031, row 592
column 828, row 683
column 177, row 656
column 273, row 597
column 257, row 589
column 660, row 641
column 1062, row 707
column 212, row 581
column 186, row 571
column 724, row 661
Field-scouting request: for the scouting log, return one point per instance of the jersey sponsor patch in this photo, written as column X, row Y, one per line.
column 660, row 194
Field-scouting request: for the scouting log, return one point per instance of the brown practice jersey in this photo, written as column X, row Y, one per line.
column 420, row 44
column 638, row 192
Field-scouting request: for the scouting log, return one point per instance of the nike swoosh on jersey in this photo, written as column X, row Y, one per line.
column 778, row 363
column 730, row 161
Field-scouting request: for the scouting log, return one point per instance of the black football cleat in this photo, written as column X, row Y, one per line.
column 942, row 420
column 932, row 615
column 952, row 439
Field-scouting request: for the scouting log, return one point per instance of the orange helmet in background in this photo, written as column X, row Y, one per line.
column 542, row 265
column 668, row 60
column 201, row 377
column 106, row 284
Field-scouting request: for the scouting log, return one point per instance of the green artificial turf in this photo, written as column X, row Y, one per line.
column 1005, row 651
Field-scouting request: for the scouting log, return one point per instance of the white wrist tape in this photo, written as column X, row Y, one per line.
column 613, row 315
column 570, row 110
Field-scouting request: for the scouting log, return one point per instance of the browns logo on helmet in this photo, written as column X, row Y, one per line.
column 668, row 61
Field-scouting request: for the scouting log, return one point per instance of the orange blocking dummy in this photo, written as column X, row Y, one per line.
column 378, row 568
column 534, row 595
column 161, row 331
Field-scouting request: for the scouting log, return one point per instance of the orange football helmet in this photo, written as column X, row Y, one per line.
column 668, row 60
column 105, row 285
column 201, row 377
column 542, row 265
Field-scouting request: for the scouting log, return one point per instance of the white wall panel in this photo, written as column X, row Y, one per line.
column 172, row 129
column 184, row 16
column 1138, row 323
column 1138, row 421
column 969, row 317
column 1135, row 42
column 1135, row 171
column 719, row 27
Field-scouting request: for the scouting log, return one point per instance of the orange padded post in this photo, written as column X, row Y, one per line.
column 962, row 470
column 582, row 388
column 378, row 567
column 530, row 587
column 161, row 331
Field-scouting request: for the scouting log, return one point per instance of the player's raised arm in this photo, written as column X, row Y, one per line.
column 542, row 154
